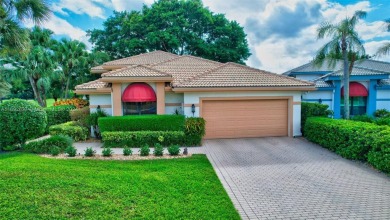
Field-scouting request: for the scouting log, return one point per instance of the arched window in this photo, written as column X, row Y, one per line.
column 139, row 99
column 357, row 99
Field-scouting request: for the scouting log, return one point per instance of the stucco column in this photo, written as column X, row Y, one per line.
column 337, row 99
column 160, row 94
column 371, row 102
column 116, row 97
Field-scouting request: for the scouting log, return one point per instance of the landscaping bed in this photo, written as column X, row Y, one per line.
column 116, row 157
column 34, row 187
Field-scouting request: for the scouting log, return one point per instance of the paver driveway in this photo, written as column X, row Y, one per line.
column 271, row 178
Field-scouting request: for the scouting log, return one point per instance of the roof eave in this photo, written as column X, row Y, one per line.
column 93, row 91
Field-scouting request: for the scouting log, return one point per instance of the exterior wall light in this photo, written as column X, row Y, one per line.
column 193, row 109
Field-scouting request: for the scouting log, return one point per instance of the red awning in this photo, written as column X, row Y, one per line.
column 355, row 89
column 139, row 92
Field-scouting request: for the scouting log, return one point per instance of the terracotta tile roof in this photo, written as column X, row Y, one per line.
column 144, row 59
column 185, row 67
column 96, row 84
column 236, row 75
column 136, row 71
column 98, row 68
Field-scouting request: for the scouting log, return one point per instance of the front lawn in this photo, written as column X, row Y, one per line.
column 32, row 187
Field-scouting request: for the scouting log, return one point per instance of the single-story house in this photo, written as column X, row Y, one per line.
column 235, row 100
column 369, row 85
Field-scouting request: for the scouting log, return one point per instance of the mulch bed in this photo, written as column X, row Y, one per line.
column 115, row 157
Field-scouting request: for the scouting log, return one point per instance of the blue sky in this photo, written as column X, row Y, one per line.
column 281, row 33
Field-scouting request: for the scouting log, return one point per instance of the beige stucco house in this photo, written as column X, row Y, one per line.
column 235, row 100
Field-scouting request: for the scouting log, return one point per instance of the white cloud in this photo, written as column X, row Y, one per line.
column 372, row 47
column 88, row 7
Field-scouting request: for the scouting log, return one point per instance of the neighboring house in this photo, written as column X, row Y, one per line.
column 369, row 86
column 235, row 100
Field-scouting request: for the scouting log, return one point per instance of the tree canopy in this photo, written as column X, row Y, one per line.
column 176, row 26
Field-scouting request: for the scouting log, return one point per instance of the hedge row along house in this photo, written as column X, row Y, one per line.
column 235, row 100
column 369, row 85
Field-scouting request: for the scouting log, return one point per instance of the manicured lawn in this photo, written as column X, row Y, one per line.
column 32, row 187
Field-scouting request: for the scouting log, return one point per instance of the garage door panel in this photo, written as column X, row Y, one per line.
column 245, row 118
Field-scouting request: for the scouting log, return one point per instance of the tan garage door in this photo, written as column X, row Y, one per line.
column 245, row 118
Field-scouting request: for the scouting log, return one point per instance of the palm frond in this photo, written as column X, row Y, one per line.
column 326, row 29
column 37, row 10
column 384, row 50
column 357, row 15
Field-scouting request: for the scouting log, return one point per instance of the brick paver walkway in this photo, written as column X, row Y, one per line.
column 286, row 178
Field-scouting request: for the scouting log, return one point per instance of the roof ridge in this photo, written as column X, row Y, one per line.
column 133, row 67
column 88, row 83
column 203, row 59
column 379, row 61
column 269, row 73
column 117, row 70
column 167, row 61
column 156, row 70
column 139, row 55
column 197, row 76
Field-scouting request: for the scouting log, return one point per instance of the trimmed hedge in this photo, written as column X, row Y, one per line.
column 142, row 123
column 195, row 129
column 71, row 129
column 379, row 156
column 20, row 120
column 353, row 140
column 313, row 109
column 58, row 114
column 46, row 145
column 140, row 138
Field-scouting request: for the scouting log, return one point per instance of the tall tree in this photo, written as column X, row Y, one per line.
column 71, row 56
column 177, row 26
column 385, row 49
column 344, row 38
column 37, row 66
column 14, row 38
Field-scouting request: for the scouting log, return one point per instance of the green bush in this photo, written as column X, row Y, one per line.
column 140, row 138
column 58, row 114
column 89, row 152
column 127, row 151
column 158, row 150
column 382, row 113
column 174, row 150
column 80, row 116
column 71, row 129
column 20, row 121
column 46, row 145
column 382, row 121
column 145, row 150
column 313, row 109
column 71, row 151
column 379, row 156
column 55, row 151
column 142, row 123
column 107, row 152
column 350, row 139
column 363, row 118
column 195, row 129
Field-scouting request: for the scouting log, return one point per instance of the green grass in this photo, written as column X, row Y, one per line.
column 32, row 187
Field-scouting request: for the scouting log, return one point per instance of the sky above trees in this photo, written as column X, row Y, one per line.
column 281, row 34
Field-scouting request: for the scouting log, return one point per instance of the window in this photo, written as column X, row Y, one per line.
column 357, row 105
column 139, row 108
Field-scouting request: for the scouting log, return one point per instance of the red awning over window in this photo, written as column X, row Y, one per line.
column 355, row 89
column 139, row 92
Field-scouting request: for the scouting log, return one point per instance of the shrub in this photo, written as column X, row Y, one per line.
column 46, row 145
column 77, row 102
column 20, row 121
column 313, row 109
column 80, row 116
column 92, row 121
column 382, row 121
column 195, row 129
column 140, row 138
column 89, row 152
column 350, row 139
column 142, row 123
column 71, row 129
column 127, row 151
column 174, row 150
column 379, row 156
column 158, row 150
column 107, row 152
column 58, row 114
column 55, row 151
column 145, row 150
column 382, row 113
column 363, row 118
column 71, row 151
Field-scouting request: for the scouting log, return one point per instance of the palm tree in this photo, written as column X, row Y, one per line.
column 71, row 55
column 385, row 49
column 344, row 39
column 14, row 38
